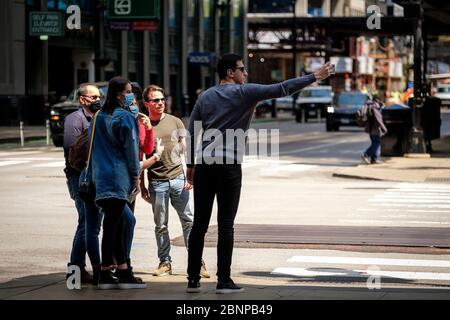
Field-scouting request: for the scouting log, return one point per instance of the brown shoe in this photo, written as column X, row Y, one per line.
column 164, row 269
column 203, row 272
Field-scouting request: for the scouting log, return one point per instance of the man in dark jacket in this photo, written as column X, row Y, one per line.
column 376, row 129
column 74, row 124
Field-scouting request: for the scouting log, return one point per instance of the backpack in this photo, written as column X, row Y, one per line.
column 364, row 113
column 78, row 152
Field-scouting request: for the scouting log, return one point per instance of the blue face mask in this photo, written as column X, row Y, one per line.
column 134, row 109
column 128, row 99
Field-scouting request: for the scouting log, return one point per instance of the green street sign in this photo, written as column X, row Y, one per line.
column 133, row 9
column 46, row 23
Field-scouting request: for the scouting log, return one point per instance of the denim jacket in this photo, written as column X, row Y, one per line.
column 115, row 151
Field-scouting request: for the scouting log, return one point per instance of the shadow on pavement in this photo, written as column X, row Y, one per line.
column 53, row 287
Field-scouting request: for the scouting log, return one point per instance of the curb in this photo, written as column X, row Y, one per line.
column 349, row 176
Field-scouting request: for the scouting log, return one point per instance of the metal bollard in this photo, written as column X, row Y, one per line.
column 47, row 131
column 303, row 115
column 319, row 119
column 22, row 138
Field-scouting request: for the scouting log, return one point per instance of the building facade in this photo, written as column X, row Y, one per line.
column 176, row 48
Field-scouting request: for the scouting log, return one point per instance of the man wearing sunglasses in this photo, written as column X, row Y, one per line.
column 74, row 124
column 224, row 107
column 166, row 178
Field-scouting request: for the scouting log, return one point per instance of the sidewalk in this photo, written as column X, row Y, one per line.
column 12, row 134
column 435, row 169
column 53, row 287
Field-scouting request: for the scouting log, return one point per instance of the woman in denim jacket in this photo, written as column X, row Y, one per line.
column 115, row 172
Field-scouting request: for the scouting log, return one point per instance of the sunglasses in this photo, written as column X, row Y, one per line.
column 240, row 68
column 157, row 100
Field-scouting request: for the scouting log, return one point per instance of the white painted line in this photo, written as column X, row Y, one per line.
column 439, row 193
column 430, row 196
column 249, row 165
column 295, row 167
column 409, row 200
column 403, row 210
column 31, row 159
column 419, row 190
column 372, row 261
column 417, row 205
column 303, row 272
column 51, row 164
column 19, row 153
column 424, row 185
column 10, row 163
column 397, row 222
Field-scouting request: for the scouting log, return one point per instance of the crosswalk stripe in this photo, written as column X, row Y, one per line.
column 417, row 205
column 403, row 210
column 424, row 185
column 19, row 153
column 417, row 194
column 409, row 200
column 304, row 272
column 372, row 261
column 29, row 159
column 366, row 221
column 10, row 163
column 50, row 164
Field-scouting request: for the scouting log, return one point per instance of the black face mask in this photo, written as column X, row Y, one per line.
column 94, row 107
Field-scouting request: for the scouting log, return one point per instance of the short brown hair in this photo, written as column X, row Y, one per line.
column 149, row 89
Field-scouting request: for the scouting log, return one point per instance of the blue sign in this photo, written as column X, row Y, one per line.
column 202, row 58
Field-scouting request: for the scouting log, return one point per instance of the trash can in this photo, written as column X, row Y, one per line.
column 430, row 115
column 398, row 121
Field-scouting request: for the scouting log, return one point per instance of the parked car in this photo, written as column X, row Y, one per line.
column 343, row 113
column 442, row 92
column 265, row 106
column 313, row 101
column 59, row 111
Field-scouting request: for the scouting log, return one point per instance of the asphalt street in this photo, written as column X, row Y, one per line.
column 38, row 218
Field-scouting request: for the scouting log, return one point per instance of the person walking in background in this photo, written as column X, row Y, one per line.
column 376, row 129
column 115, row 173
column 167, row 179
column 89, row 217
column 226, row 106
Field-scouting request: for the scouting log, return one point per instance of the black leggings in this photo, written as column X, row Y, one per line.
column 112, row 241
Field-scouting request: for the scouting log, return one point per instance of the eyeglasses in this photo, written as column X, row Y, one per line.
column 157, row 100
column 94, row 97
column 240, row 68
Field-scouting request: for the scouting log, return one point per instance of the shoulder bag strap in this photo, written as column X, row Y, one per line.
column 91, row 139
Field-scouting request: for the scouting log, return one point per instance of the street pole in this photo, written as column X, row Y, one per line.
column 44, row 61
column 184, row 68
column 416, row 138
column 294, row 49
column 99, row 41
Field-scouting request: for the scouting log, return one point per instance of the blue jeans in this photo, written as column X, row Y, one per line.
column 78, row 253
column 181, row 200
column 374, row 150
column 94, row 217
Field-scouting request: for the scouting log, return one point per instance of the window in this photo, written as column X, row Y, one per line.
column 63, row 4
